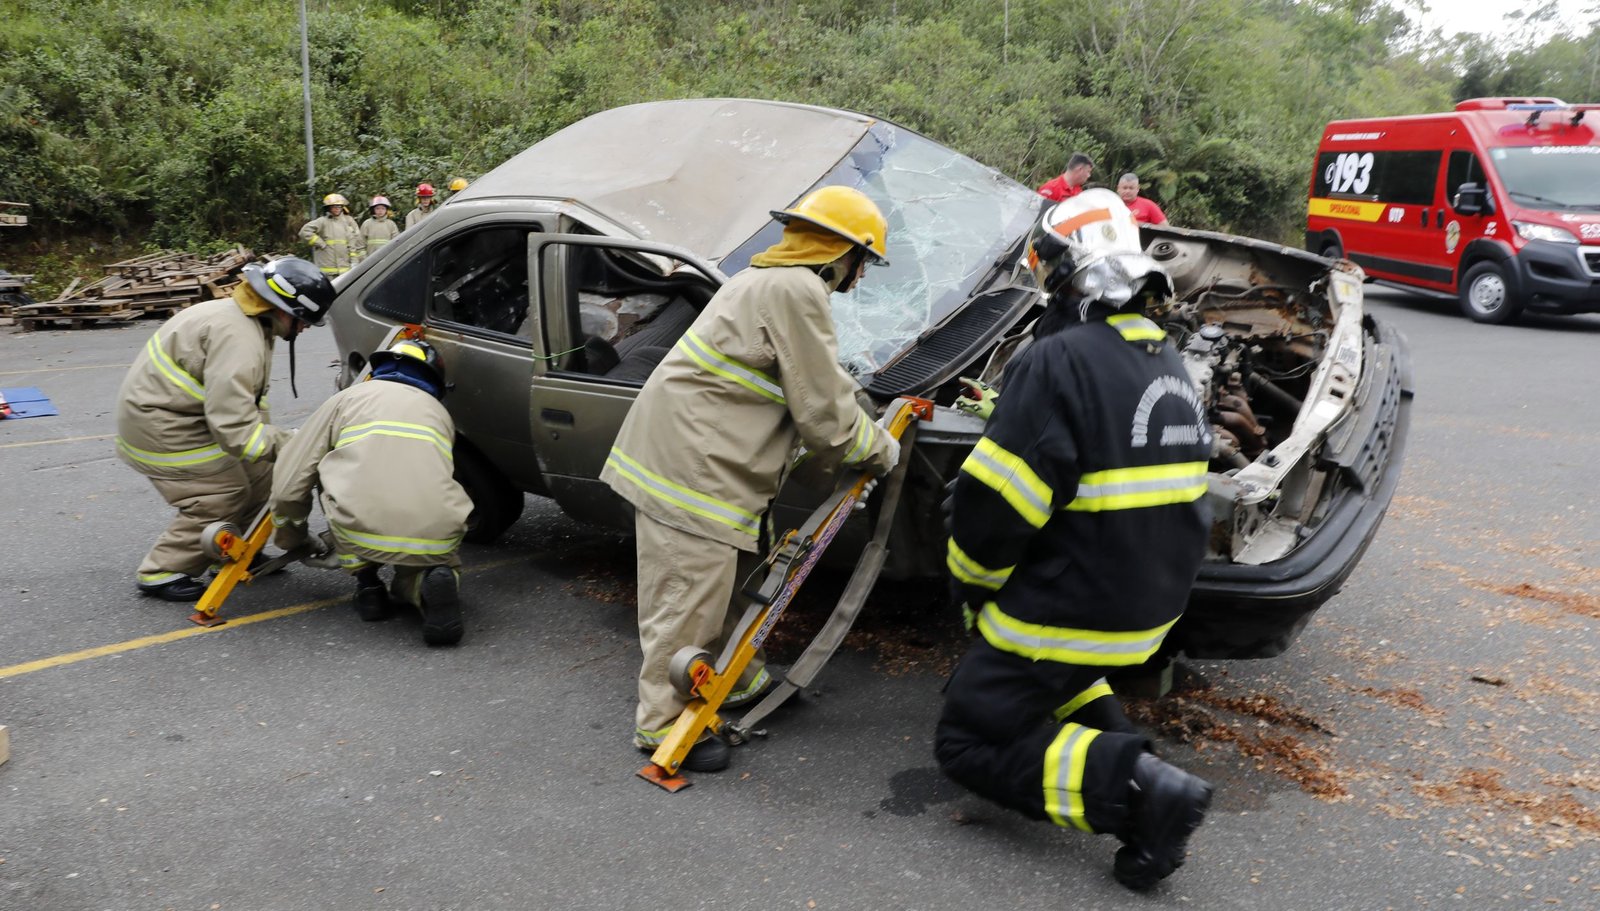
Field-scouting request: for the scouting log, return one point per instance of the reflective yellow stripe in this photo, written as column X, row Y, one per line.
column 1140, row 487
column 158, row 578
column 183, row 459
column 1098, row 690
column 1064, row 762
column 394, row 544
column 739, row 697
column 1010, row 477
column 169, row 368
column 729, row 368
column 865, row 432
column 347, row 562
column 682, row 497
column 256, row 446
column 653, row 738
column 377, row 241
column 1067, row 645
column 334, row 270
column 970, row 571
column 336, row 242
column 358, row 432
column 1136, row 328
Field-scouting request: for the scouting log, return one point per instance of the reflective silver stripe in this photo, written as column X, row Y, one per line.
column 356, row 432
column 1065, row 644
column 682, row 497
column 257, row 446
column 1064, row 763
column 731, row 368
column 395, row 544
column 866, row 431
column 1139, row 487
column 169, row 368
column 1008, row 475
column 970, row 571
column 170, row 459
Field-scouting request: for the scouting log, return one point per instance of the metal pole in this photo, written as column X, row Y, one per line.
column 305, row 87
column 1005, row 42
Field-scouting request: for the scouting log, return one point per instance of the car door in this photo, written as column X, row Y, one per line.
column 608, row 311
column 478, row 317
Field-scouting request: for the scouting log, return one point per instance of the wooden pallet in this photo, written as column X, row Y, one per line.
column 154, row 285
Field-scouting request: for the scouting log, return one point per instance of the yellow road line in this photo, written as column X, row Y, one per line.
column 17, row 670
column 60, row 369
column 28, row 667
column 102, row 436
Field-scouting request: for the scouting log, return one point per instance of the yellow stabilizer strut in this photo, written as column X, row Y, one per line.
column 236, row 552
column 711, row 686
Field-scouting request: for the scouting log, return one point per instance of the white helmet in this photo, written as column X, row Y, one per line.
column 1090, row 244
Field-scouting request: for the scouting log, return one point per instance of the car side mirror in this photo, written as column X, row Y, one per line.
column 1473, row 199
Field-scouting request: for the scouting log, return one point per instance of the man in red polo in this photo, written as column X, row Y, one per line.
column 1068, row 183
column 1145, row 211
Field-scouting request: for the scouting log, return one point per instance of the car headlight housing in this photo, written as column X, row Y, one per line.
column 1530, row 231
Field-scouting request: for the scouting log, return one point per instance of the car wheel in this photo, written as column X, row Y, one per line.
column 496, row 502
column 1486, row 296
column 1332, row 250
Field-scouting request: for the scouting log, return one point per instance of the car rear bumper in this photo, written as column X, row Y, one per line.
column 1238, row 611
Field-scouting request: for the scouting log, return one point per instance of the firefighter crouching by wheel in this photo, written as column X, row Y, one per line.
column 1078, row 524
column 708, row 442
column 382, row 454
column 192, row 413
column 336, row 242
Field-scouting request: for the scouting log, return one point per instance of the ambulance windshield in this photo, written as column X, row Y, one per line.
column 1550, row 177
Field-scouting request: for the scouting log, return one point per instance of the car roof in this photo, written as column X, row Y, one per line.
column 702, row 173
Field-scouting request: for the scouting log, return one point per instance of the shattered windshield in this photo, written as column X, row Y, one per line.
column 1551, row 177
column 950, row 218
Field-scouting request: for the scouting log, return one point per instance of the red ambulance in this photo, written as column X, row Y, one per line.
column 1496, row 203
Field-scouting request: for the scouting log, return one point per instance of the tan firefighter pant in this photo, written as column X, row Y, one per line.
column 688, row 595
column 235, row 494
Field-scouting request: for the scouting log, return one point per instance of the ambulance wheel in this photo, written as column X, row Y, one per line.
column 680, row 670
column 208, row 539
column 1332, row 250
column 1486, row 296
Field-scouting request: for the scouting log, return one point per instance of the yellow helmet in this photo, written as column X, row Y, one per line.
column 334, row 199
column 844, row 211
column 458, row 184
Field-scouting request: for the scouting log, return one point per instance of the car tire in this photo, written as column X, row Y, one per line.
column 1486, row 295
column 496, row 502
column 1332, row 250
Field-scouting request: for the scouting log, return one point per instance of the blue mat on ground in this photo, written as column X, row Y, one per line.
column 28, row 402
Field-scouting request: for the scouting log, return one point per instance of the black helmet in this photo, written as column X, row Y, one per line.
column 294, row 286
column 413, row 350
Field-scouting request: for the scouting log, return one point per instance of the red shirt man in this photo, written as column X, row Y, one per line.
column 1145, row 211
column 1068, row 183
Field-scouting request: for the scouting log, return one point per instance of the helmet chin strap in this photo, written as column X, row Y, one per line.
column 292, row 390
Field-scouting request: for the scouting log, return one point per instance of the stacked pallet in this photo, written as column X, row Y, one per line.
column 11, row 293
column 156, row 285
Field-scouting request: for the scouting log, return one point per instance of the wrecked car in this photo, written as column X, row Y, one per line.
column 554, row 285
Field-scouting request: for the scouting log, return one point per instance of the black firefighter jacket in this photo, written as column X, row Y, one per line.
column 1080, row 520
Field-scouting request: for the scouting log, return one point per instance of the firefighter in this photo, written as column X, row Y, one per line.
column 192, row 413
column 381, row 453
column 1078, row 524
column 379, row 229
column 424, row 207
column 708, row 442
column 457, row 184
column 335, row 240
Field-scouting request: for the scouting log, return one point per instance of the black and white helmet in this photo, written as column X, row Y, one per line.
column 1089, row 245
column 294, row 286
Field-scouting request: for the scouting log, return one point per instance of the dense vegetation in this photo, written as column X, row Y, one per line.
column 180, row 120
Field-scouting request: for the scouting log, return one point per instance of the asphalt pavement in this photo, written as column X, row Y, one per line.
column 1429, row 741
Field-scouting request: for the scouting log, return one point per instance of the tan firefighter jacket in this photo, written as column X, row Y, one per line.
column 706, row 444
column 415, row 216
column 381, row 452
column 196, row 395
column 336, row 243
column 375, row 232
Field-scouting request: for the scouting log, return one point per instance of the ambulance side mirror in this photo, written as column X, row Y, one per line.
column 1473, row 199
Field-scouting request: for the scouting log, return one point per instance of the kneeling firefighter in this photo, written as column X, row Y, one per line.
column 192, row 413
column 1078, row 524
column 382, row 454
column 712, row 435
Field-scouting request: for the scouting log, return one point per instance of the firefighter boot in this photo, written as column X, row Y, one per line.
column 182, row 589
column 441, row 607
column 1168, row 805
column 372, row 599
column 709, row 755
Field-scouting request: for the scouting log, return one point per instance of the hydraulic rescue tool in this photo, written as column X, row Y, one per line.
column 237, row 551
column 706, row 683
